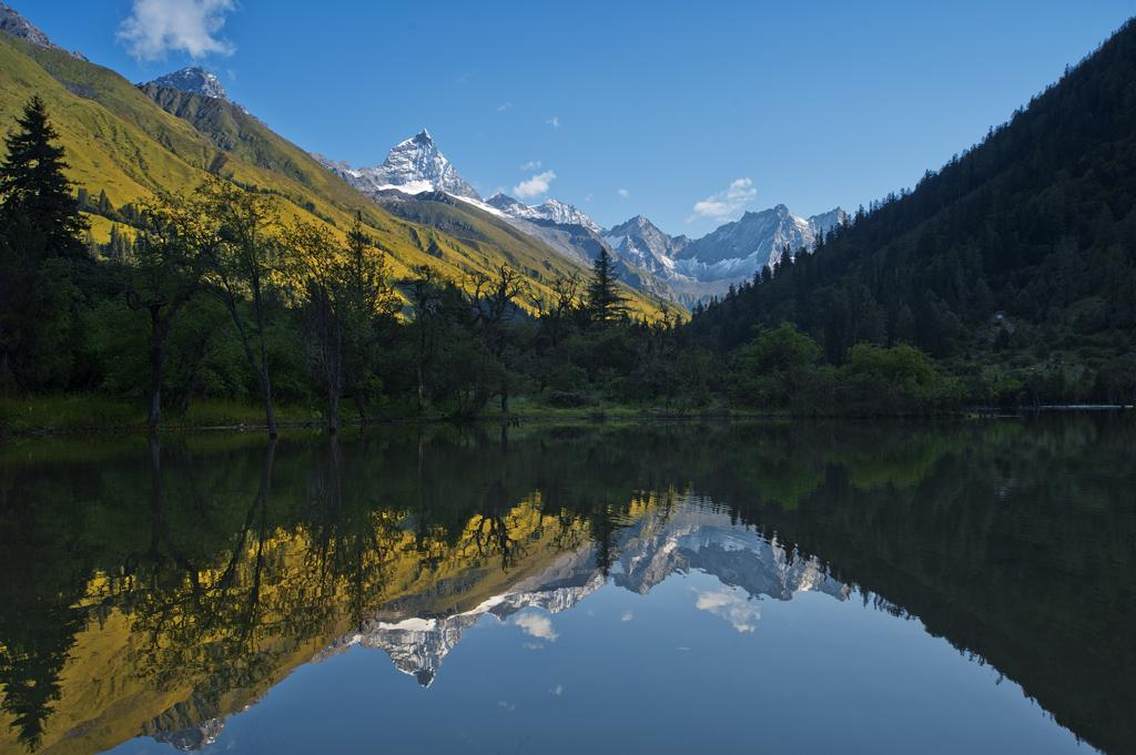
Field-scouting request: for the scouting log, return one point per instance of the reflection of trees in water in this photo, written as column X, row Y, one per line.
column 198, row 619
column 236, row 563
column 36, row 639
column 1016, row 543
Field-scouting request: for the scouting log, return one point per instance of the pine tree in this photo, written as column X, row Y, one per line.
column 34, row 189
column 604, row 300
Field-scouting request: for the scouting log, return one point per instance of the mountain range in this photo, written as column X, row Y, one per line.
column 672, row 267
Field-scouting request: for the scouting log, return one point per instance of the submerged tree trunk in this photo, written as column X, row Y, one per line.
column 269, row 410
column 361, row 407
column 265, row 381
column 332, row 409
column 421, row 389
column 261, row 368
column 159, row 328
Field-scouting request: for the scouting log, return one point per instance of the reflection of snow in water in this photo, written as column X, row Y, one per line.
column 687, row 538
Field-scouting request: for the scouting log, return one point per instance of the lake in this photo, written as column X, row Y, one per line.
column 782, row 586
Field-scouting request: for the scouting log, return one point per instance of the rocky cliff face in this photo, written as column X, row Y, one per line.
column 194, row 80
column 13, row 24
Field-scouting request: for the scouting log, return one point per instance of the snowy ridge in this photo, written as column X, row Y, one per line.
column 194, row 80
column 551, row 210
column 738, row 250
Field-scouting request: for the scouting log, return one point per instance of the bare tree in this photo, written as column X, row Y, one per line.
column 566, row 294
column 495, row 301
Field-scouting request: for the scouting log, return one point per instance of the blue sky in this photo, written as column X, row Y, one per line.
column 688, row 113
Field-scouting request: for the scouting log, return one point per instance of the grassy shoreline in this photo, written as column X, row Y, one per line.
column 80, row 414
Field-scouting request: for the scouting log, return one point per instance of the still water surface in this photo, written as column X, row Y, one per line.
column 843, row 587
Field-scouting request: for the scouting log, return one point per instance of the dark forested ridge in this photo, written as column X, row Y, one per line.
column 1014, row 264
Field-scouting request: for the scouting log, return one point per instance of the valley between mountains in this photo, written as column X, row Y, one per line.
column 125, row 144
column 1004, row 278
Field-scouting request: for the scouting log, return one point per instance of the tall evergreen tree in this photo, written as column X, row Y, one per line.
column 605, row 302
column 41, row 236
column 34, row 188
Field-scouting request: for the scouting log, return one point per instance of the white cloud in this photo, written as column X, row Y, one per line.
column 627, row 616
column 535, row 186
column 624, row 193
column 504, row 106
column 554, row 121
column 732, row 605
column 558, row 690
column 726, row 203
column 536, row 625
column 531, row 165
column 157, row 27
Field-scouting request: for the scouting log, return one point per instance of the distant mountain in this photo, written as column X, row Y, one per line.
column 639, row 239
column 699, row 270
column 737, row 250
column 194, row 80
column 12, row 23
column 413, row 166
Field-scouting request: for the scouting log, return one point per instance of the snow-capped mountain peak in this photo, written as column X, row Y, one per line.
column 412, row 166
column 194, row 80
column 641, row 240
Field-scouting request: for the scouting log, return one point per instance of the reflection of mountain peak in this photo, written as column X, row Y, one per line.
column 705, row 540
column 194, row 737
column 417, row 646
column 651, row 550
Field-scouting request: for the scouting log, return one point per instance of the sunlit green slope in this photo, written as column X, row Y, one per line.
column 131, row 143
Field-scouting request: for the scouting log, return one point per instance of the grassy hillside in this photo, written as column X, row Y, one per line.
column 131, row 143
